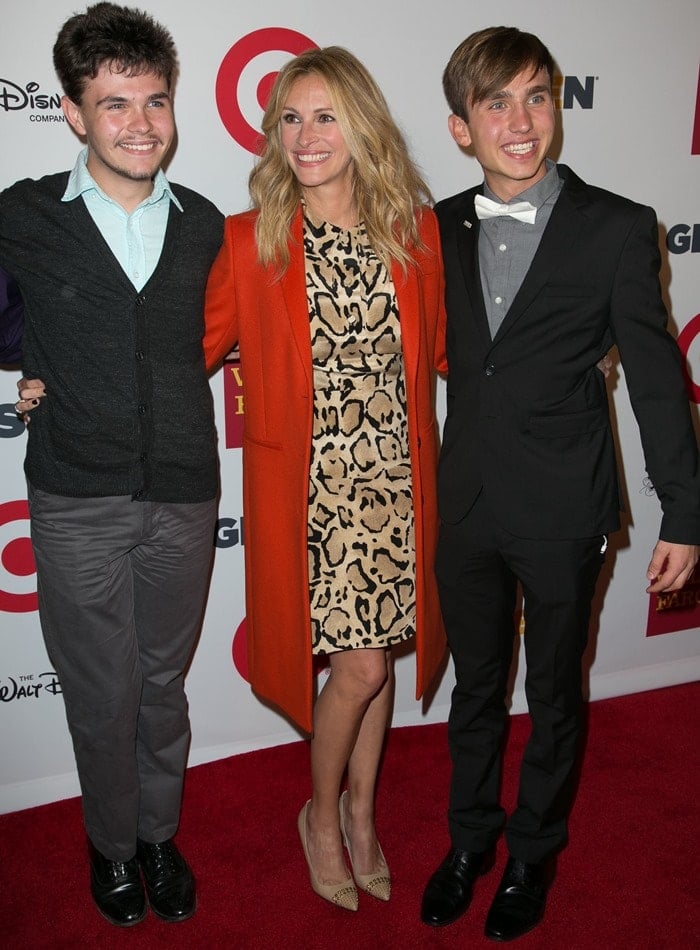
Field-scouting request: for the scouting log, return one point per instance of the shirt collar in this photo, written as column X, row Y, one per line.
column 537, row 194
column 80, row 182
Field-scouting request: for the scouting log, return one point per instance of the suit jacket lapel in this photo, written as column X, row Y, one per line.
column 561, row 232
column 466, row 226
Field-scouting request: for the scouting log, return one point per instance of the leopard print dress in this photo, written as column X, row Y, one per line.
column 361, row 530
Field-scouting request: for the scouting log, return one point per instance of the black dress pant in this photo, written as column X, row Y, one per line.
column 478, row 567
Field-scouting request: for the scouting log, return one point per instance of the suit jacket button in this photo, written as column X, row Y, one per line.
column 490, row 369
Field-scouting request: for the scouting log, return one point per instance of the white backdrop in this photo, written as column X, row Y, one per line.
column 631, row 122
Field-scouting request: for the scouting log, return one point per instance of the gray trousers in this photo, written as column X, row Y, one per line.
column 122, row 586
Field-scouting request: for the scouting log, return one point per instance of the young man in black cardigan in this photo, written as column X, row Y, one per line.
column 111, row 261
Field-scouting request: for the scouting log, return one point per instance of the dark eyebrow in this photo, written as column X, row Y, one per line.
column 111, row 99
column 505, row 94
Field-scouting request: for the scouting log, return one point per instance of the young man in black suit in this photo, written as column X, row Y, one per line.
column 544, row 274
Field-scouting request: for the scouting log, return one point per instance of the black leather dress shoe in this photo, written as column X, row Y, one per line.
column 169, row 881
column 519, row 902
column 448, row 893
column 117, row 889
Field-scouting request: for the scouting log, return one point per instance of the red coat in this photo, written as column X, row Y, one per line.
column 269, row 318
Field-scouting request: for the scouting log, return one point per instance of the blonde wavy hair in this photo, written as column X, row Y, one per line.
column 388, row 190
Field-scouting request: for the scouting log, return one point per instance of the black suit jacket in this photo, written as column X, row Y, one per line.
column 527, row 412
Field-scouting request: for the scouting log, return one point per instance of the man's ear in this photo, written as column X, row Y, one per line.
column 71, row 111
column 459, row 130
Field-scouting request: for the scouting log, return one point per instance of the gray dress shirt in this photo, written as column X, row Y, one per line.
column 507, row 246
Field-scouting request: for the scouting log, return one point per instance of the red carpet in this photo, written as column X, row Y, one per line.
column 629, row 878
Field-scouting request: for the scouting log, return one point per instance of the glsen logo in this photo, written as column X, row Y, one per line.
column 16, row 98
column 246, row 76
column 229, row 533
column 10, row 423
column 686, row 338
column 17, row 560
column 29, row 686
column 682, row 238
column 568, row 90
column 695, row 144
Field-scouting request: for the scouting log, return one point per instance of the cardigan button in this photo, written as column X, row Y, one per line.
column 141, row 300
column 142, row 409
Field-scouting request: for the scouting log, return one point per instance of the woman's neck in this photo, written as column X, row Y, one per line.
column 339, row 210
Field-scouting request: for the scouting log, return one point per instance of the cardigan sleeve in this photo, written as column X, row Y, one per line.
column 11, row 319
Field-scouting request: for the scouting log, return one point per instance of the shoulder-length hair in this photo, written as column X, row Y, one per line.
column 388, row 189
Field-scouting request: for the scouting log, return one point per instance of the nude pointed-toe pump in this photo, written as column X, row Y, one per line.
column 378, row 882
column 342, row 895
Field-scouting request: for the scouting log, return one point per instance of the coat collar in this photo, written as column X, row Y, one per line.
column 293, row 283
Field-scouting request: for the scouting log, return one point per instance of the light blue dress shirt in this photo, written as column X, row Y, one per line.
column 135, row 239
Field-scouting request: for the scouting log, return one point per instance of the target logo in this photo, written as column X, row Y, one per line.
column 239, row 653
column 246, row 76
column 686, row 338
column 17, row 583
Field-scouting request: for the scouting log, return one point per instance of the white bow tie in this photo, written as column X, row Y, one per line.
column 521, row 210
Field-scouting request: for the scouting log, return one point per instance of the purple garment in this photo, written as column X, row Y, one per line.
column 11, row 319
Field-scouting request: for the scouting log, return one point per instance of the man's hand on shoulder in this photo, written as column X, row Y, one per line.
column 671, row 566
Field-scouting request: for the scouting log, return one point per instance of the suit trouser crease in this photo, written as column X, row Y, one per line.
column 478, row 568
column 122, row 586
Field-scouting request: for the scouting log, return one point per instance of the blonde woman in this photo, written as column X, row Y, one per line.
column 332, row 286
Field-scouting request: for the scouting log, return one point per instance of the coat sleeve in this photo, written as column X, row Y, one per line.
column 220, row 316
column 430, row 235
column 654, row 376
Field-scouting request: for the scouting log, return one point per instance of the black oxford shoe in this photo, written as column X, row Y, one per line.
column 117, row 889
column 448, row 893
column 169, row 881
column 519, row 902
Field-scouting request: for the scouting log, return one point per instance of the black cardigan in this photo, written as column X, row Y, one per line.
column 128, row 407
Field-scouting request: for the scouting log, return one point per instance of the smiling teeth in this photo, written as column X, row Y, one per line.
column 520, row 147
column 138, row 148
column 317, row 157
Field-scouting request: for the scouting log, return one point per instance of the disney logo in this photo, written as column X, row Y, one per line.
column 14, row 97
column 27, row 686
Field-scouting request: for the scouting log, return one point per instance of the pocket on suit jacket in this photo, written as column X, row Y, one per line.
column 570, row 423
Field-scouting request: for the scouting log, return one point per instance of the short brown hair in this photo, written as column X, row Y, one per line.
column 487, row 61
column 123, row 38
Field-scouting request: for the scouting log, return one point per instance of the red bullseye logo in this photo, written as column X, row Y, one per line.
column 686, row 338
column 17, row 591
column 239, row 653
column 246, row 76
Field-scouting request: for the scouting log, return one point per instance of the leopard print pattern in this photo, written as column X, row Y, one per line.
column 361, row 529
